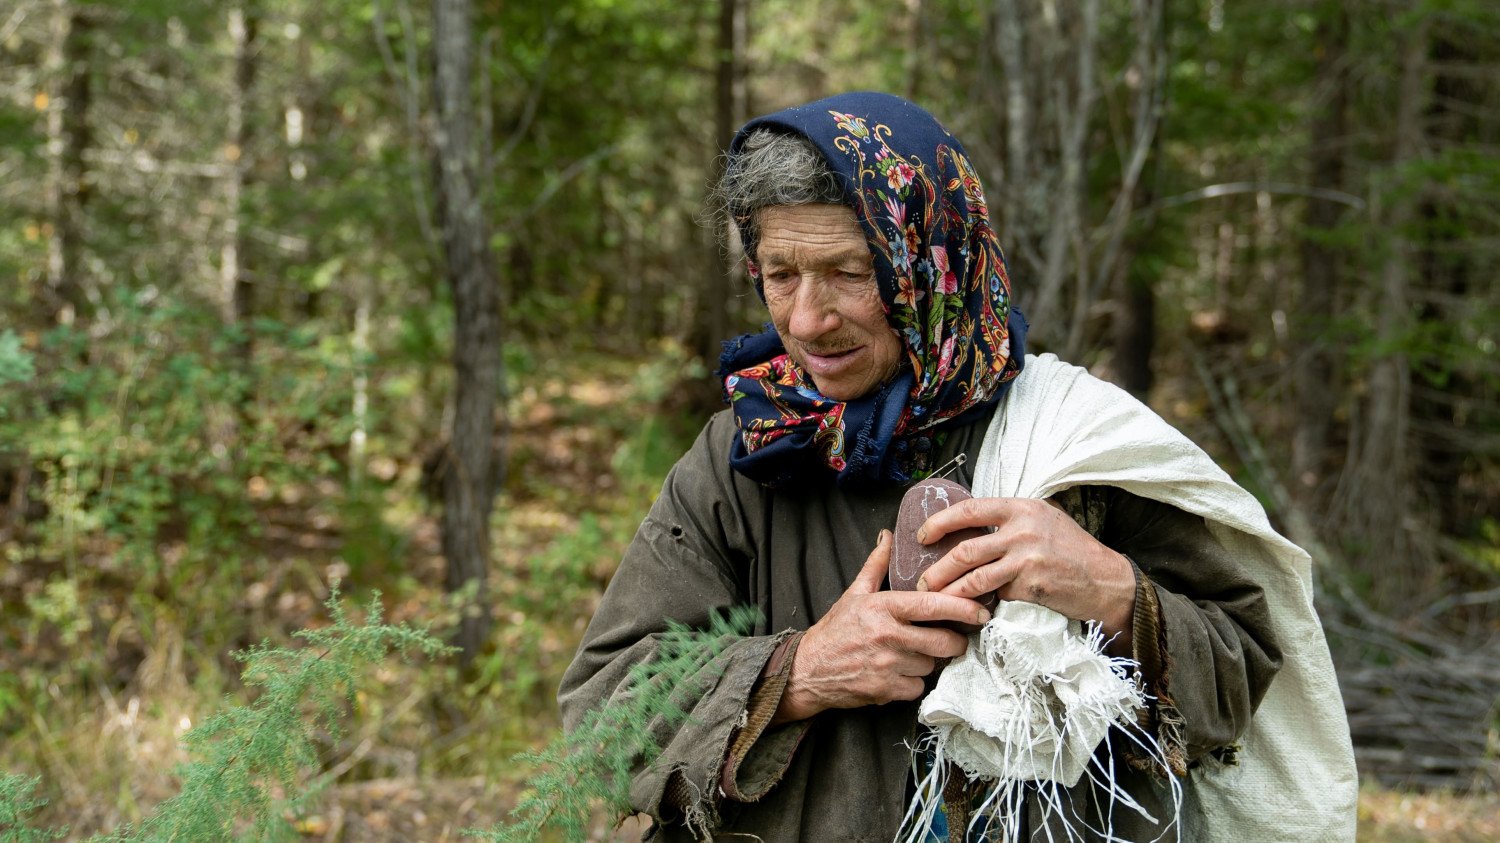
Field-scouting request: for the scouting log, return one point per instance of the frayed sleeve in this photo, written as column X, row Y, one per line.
column 1201, row 631
column 683, row 565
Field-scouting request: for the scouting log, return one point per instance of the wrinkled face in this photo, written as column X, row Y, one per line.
column 819, row 281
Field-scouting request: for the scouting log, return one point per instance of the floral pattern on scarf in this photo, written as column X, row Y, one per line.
column 943, row 282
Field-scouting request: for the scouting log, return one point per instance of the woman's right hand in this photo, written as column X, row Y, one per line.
column 868, row 650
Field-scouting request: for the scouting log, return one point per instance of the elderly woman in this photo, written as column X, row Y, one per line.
column 895, row 346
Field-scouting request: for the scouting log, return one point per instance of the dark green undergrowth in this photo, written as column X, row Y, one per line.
column 255, row 768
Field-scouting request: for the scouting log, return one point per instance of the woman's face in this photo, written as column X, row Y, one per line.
column 819, row 282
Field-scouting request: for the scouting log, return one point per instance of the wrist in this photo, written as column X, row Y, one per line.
column 1118, row 621
column 796, row 702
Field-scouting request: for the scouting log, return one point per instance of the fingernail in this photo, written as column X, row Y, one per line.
column 921, row 583
column 984, row 617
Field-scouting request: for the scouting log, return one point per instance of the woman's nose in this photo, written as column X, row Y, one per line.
column 814, row 311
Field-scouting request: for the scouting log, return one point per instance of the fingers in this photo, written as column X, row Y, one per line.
column 936, row 642
column 967, row 556
column 916, row 664
column 914, row 606
column 876, row 564
column 999, row 576
column 905, row 688
column 974, row 512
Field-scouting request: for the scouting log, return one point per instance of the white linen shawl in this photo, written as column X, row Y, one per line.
column 1295, row 779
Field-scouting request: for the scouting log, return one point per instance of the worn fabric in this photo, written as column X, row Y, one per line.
column 715, row 539
column 942, row 279
column 1295, row 776
column 1031, row 699
column 1021, row 715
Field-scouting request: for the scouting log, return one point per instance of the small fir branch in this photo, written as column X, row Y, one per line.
column 591, row 766
column 16, row 802
column 246, row 754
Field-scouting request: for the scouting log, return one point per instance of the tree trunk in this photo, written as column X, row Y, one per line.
column 236, row 293
column 1135, row 313
column 1010, row 45
column 728, row 93
column 359, row 409
column 1458, row 423
column 468, row 482
column 1377, row 486
column 917, row 54
column 1135, row 329
column 68, row 135
column 1316, row 375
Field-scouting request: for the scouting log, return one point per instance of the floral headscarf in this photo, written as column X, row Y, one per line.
column 945, row 289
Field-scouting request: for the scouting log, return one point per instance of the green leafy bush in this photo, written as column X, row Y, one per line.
column 16, row 365
column 151, row 454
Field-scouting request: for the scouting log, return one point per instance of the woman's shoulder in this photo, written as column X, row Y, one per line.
column 704, row 470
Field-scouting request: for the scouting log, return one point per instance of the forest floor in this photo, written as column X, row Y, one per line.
column 388, row 811
column 429, row 753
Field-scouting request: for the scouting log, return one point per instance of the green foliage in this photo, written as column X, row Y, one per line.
column 560, row 579
column 16, row 365
column 16, row 802
column 590, row 767
column 156, row 459
column 249, row 759
column 143, row 438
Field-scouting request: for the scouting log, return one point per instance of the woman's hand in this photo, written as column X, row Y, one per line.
column 1037, row 554
column 867, row 649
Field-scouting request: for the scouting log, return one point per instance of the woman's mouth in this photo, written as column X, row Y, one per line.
column 827, row 363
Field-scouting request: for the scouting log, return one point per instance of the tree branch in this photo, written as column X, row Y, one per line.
column 1215, row 191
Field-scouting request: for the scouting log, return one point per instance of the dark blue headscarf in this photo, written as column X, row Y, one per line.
column 943, row 282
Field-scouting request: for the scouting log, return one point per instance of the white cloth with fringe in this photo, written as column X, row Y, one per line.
column 1294, row 779
column 1031, row 698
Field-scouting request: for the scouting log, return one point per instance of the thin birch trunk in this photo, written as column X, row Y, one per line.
column 359, row 410
column 1010, row 43
column 917, row 55
column 236, row 291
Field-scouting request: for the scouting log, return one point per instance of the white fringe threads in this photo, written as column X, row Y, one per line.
column 1023, row 710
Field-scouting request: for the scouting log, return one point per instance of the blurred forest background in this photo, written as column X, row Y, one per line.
column 419, row 297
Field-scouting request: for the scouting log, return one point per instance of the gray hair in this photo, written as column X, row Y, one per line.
column 772, row 168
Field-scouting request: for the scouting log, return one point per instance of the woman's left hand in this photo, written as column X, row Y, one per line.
column 1038, row 554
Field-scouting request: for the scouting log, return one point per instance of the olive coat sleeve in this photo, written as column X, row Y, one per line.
column 684, row 564
column 1202, row 628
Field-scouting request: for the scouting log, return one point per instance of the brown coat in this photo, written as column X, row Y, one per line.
column 715, row 539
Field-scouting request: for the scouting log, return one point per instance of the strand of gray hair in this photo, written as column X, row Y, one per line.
column 772, row 168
